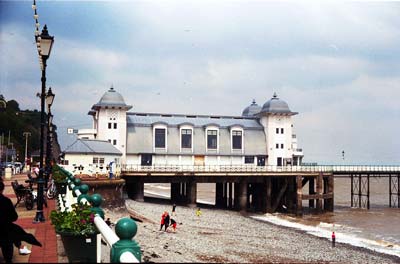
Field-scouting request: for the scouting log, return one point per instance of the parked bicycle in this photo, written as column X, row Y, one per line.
column 51, row 190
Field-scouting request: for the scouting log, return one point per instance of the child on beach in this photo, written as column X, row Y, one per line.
column 198, row 212
column 173, row 224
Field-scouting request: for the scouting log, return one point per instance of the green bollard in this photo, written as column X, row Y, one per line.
column 77, row 183
column 96, row 201
column 84, row 188
column 125, row 229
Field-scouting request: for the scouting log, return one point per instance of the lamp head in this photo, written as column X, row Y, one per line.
column 46, row 43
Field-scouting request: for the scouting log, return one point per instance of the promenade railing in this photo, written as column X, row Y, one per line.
column 131, row 168
column 123, row 248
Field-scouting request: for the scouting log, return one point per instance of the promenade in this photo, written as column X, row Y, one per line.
column 44, row 232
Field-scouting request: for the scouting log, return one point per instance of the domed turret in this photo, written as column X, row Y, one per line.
column 252, row 109
column 111, row 98
column 276, row 106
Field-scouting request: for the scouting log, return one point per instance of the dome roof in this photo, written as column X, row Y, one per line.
column 111, row 98
column 276, row 106
column 252, row 109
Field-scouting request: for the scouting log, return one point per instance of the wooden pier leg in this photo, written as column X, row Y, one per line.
column 299, row 207
column 311, row 188
column 398, row 190
column 240, row 195
column 319, row 191
column 136, row 190
column 359, row 191
column 191, row 193
column 230, row 195
column 268, row 195
column 352, row 189
column 175, row 191
column 219, row 195
column 368, row 191
column 390, row 190
column 329, row 202
column 225, row 195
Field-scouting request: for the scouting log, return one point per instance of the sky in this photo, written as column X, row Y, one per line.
column 336, row 63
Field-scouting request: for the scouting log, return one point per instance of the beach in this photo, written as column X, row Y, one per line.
column 229, row 236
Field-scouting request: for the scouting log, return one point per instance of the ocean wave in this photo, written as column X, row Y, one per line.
column 325, row 230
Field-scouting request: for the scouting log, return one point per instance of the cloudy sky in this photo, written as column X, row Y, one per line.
column 336, row 63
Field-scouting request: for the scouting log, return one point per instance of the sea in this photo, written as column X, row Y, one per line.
column 377, row 229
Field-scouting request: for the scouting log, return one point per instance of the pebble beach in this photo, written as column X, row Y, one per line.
column 222, row 236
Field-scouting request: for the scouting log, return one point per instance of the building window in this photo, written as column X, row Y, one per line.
column 114, row 142
column 109, row 125
column 186, row 138
column 281, row 146
column 212, row 139
column 115, row 125
column 101, row 160
column 159, row 138
column 277, row 146
column 95, row 160
column 277, row 130
column 249, row 160
column 281, row 130
column 236, row 139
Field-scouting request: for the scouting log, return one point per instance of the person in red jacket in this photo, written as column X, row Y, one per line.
column 162, row 220
column 333, row 239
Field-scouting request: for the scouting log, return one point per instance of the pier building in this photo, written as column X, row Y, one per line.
column 243, row 155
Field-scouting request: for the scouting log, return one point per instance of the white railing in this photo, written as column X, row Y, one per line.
column 105, row 231
column 127, row 168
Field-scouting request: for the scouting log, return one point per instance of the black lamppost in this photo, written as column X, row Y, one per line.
column 44, row 43
column 49, row 101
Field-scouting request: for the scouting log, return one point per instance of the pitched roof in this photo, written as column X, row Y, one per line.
column 148, row 119
column 92, row 146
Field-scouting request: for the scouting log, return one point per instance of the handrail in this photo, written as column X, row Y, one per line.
column 127, row 168
column 124, row 248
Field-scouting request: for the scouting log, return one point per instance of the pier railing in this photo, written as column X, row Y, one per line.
column 123, row 248
column 340, row 169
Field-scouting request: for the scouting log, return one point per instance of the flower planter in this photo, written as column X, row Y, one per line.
column 79, row 248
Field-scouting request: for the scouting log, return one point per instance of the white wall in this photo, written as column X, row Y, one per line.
column 86, row 160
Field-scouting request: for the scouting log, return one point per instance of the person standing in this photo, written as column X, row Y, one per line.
column 333, row 239
column 173, row 210
column 162, row 220
column 166, row 221
column 11, row 233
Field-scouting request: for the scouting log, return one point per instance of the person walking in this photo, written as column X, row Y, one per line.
column 11, row 233
column 333, row 239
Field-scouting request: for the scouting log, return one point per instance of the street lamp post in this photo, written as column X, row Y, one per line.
column 26, row 135
column 44, row 44
column 49, row 101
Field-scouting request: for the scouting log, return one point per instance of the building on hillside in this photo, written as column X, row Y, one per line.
column 260, row 136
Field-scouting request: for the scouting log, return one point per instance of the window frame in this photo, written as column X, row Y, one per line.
column 237, row 130
column 185, row 129
column 160, row 127
column 216, row 129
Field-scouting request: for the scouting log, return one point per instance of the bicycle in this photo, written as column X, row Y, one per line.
column 51, row 190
